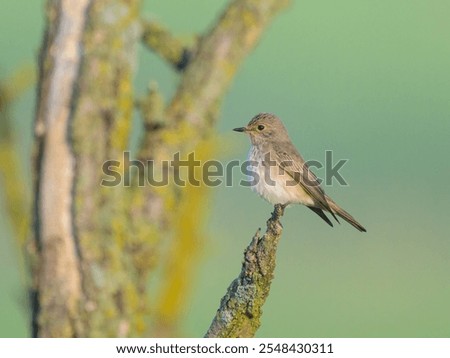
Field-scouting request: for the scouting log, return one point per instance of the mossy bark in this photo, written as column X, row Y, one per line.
column 240, row 311
column 87, row 283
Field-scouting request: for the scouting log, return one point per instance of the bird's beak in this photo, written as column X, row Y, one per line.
column 240, row 129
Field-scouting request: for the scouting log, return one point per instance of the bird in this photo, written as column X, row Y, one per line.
column 282, row 175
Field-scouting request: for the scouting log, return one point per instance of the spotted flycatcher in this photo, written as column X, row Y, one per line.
column 283, row 177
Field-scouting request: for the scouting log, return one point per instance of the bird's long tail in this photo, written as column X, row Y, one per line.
column 344, row 215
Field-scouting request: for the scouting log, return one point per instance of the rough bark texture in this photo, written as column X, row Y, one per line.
column 59, row 281
column 167, row 46
column 240, row 309
column 113, row 284
column 83, row 119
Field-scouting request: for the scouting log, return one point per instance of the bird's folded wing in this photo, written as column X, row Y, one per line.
column 295, row 166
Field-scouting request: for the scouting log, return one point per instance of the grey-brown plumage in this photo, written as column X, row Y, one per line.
column 284, row 176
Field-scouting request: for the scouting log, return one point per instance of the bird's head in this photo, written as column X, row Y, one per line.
column 264, row 127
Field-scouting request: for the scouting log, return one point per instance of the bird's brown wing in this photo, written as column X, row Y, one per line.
column 295, row 166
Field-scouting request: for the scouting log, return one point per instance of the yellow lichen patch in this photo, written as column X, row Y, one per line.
column 229, row 69
column 179, row 135
column 140, row 325
column 186, row 244
column 121, row 131
column 20, row 81
column 152, row 106
column 133, row 12
column 17, row 196
column 131, row 296
column 119, row 232
column 249, row 17
column 168, row 196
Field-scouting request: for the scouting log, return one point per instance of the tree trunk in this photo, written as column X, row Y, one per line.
column 94, row 246
column 87, row 285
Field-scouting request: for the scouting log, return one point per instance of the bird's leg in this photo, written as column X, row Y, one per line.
column 281, row 208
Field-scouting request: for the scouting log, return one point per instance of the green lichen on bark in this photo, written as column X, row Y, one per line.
column 240, row 309
column 160, row 40
column 111, row 299
column 114, row 287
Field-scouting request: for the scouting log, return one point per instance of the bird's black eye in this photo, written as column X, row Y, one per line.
column 260, row 127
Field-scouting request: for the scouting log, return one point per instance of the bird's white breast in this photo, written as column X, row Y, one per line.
column 273, row 183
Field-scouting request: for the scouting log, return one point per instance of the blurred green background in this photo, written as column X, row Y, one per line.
column 369, row 80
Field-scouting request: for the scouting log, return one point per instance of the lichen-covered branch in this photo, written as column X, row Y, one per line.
column 240, row 309
column 161, row 41
column 87, row 279
column 187, row 126
column 114, row 275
